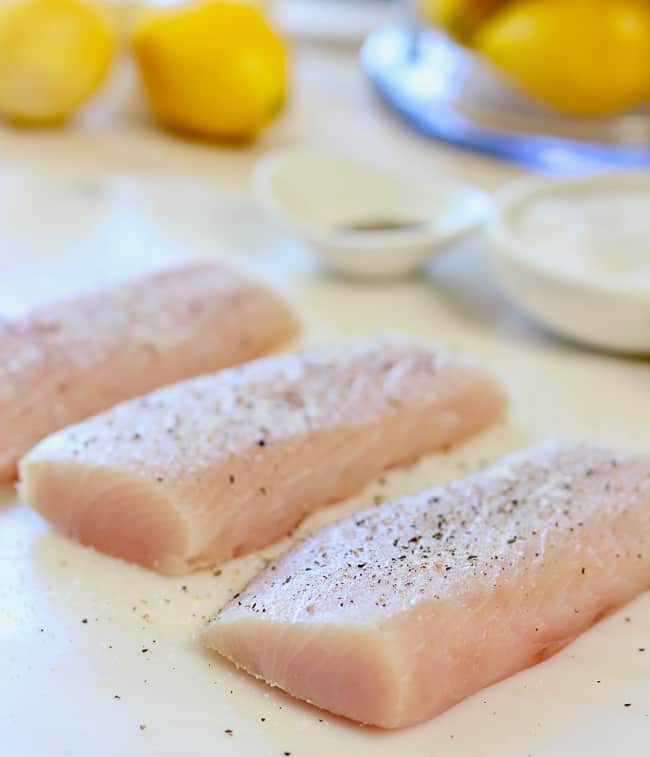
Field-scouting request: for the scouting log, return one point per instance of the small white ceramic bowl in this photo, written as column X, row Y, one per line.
column 575, row 254
column 363, row 221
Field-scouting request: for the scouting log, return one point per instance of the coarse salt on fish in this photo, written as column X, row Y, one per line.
column 218, row 466
column 398, row 612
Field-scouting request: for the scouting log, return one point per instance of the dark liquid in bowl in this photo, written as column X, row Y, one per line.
column 380, row 224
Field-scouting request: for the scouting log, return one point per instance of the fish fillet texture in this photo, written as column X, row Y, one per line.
column 393, row 615
column 72, row 359
column 219, row 466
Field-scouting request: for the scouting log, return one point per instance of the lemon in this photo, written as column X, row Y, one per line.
column 459, row 18
column 214, row 69
column 53, row 56
column 584, row 57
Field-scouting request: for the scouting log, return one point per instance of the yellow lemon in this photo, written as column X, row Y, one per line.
column 53, row 56
column 215, row 69
column 585, row 57
column 459, row 18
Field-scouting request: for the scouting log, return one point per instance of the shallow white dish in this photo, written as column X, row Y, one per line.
column 363, row 221
column 575, row 254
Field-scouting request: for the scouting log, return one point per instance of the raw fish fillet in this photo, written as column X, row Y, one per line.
column 219, row 466
column 396, row 613
column 71, row 359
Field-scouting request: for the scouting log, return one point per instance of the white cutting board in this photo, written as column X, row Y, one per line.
column 78, row 630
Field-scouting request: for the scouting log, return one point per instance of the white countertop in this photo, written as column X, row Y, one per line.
column 61, row 676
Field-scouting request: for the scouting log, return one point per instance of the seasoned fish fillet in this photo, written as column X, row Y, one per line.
column 71, row 359
column 224, row 464
column 396, row 613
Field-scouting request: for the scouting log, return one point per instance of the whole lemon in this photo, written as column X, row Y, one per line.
column 53, row 56
column 214, row 69
column 584, row 57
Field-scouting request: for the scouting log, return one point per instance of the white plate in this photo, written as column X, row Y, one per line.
column 60, row 676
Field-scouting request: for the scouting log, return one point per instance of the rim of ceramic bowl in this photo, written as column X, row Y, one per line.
column 266, row 167
column 506, row 242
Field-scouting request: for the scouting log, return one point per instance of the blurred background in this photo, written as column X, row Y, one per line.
column 108, row 106
column 492, row 75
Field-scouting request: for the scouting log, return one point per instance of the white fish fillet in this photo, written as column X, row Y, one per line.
column 218, row 466
column 71, row 359
column 394, row 614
